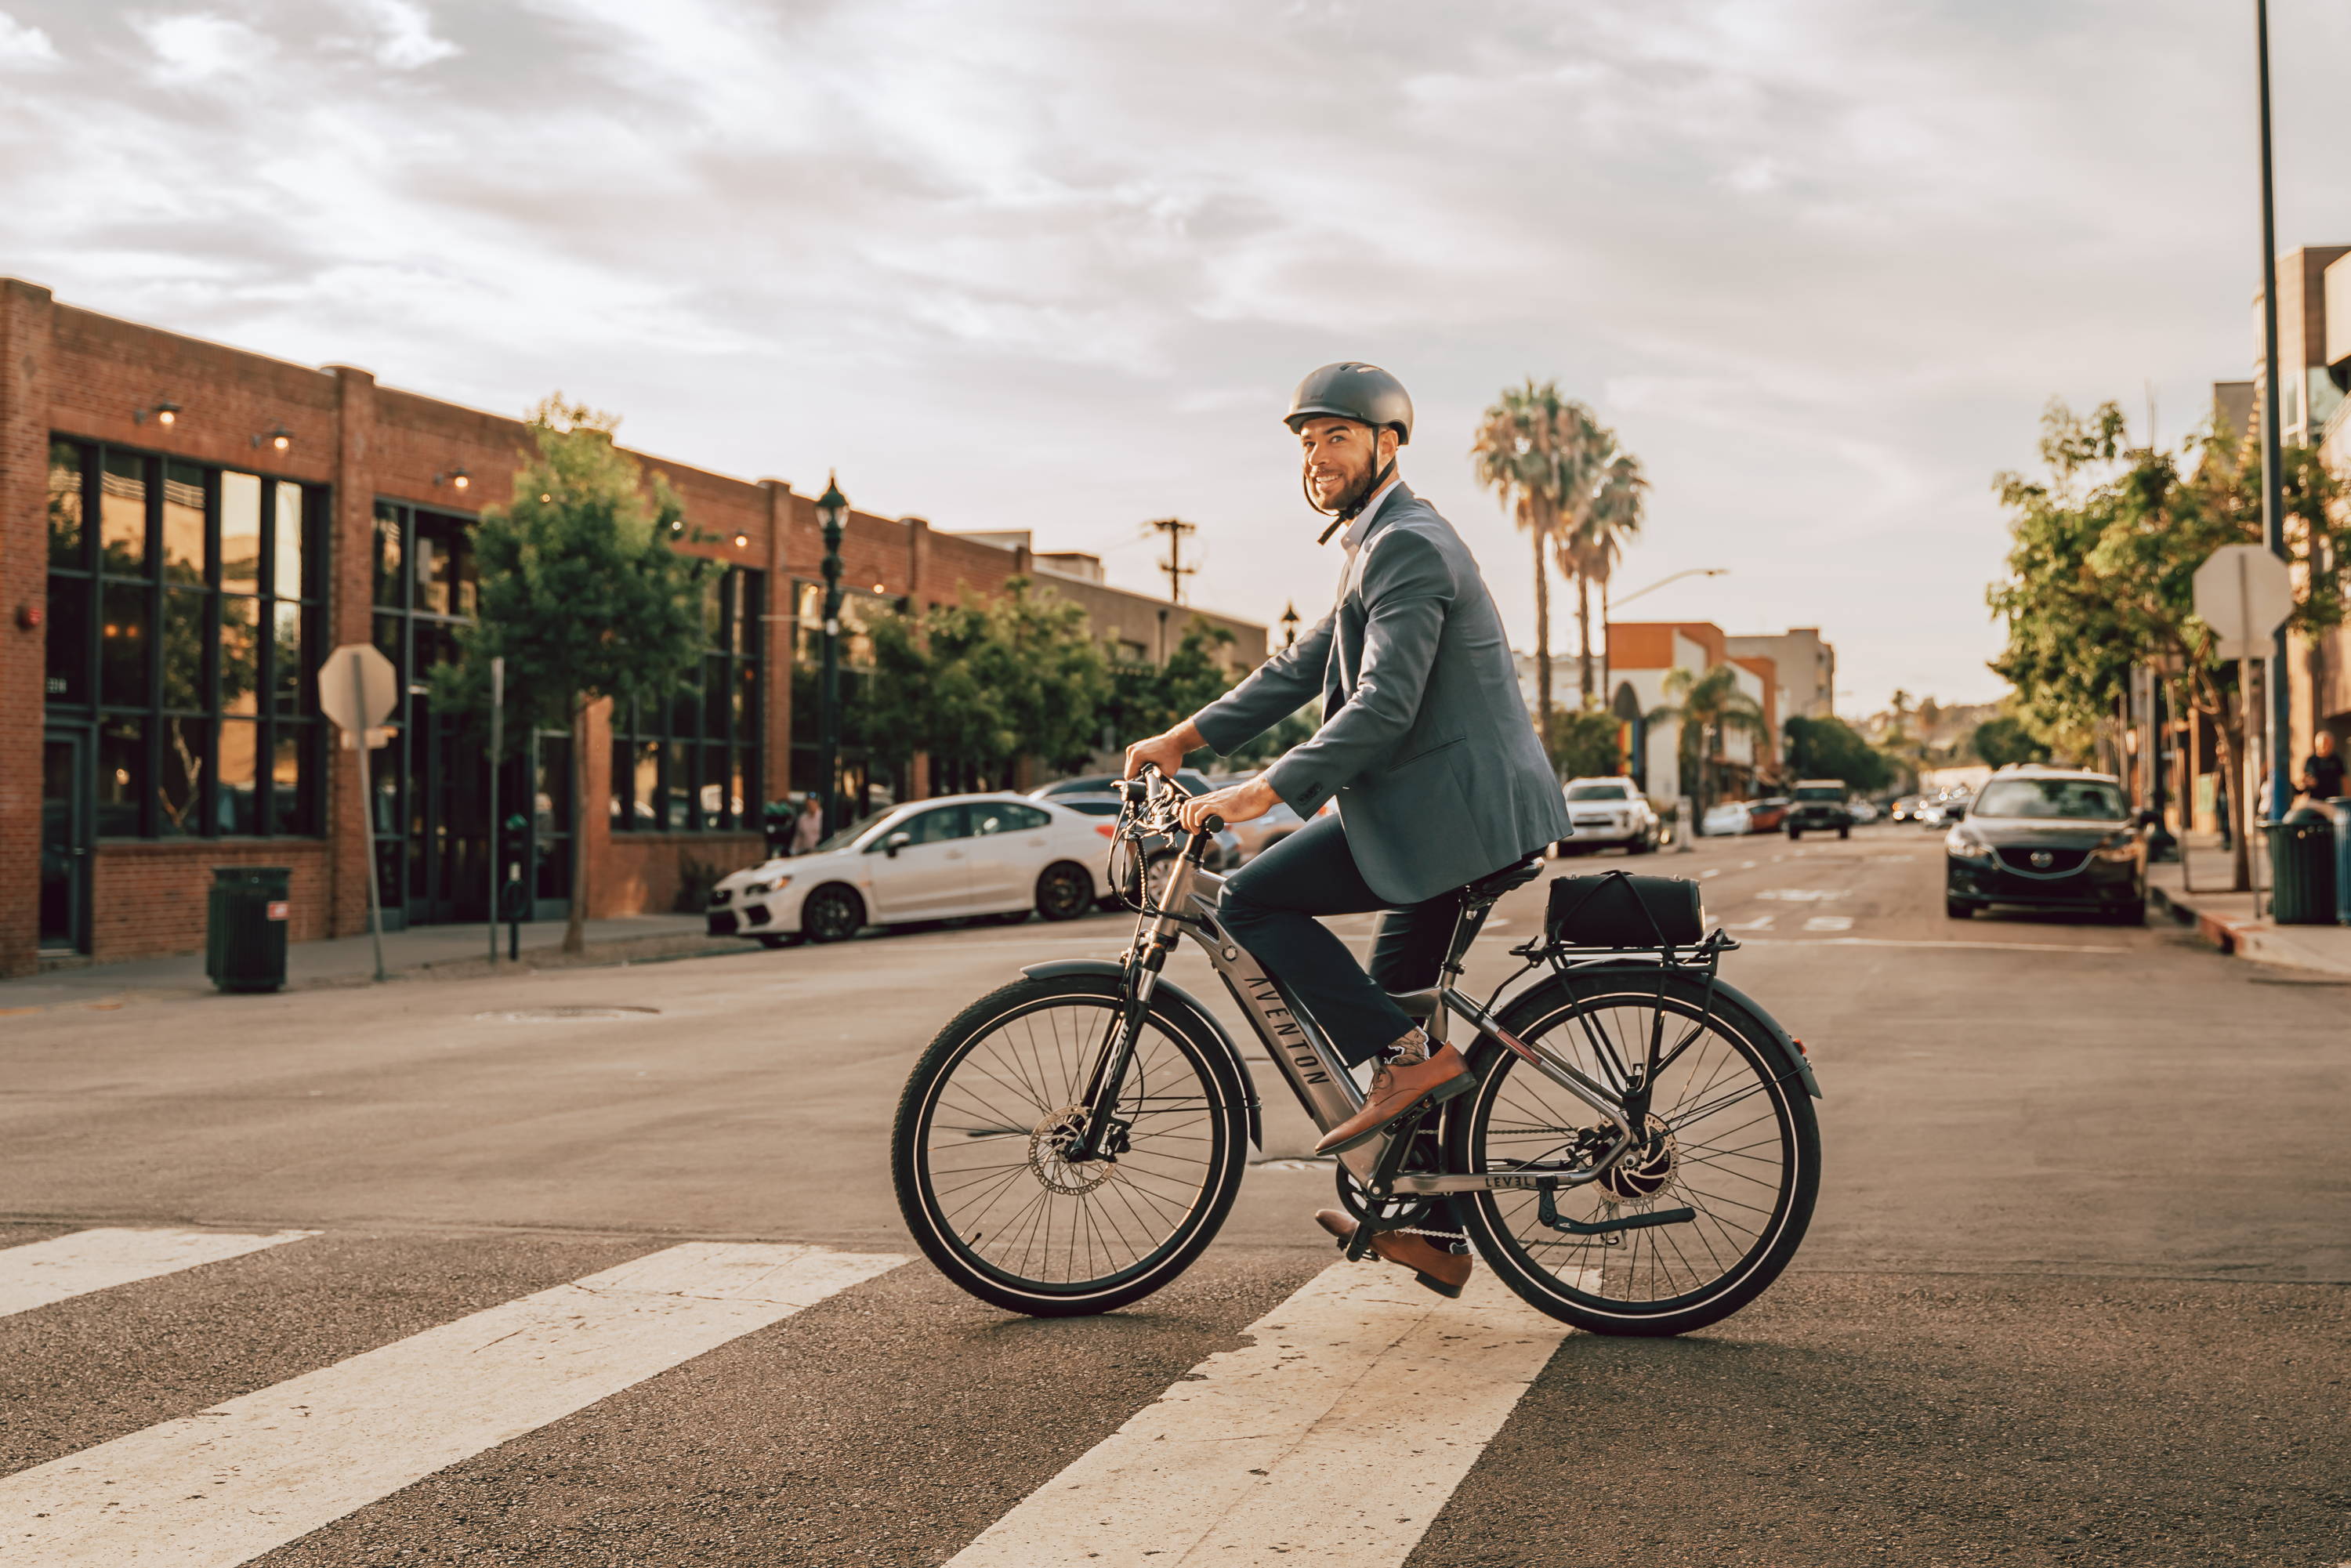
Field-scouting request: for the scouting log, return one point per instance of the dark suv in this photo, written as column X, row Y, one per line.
column 1818, row 805
column 2051, row 838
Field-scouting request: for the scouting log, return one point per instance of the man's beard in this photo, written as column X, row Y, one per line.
column 1358, row 490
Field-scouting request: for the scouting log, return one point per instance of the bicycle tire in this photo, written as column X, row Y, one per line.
column 1148, row 1187
column 1503, row 1226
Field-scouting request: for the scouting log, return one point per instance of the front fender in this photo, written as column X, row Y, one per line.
column 1182, row 1001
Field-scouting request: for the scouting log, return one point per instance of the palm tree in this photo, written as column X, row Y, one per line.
column 1591, row 547
column 1708, row 706
column 1535, row 450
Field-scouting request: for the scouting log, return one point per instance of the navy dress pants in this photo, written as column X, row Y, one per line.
column 1271, row 906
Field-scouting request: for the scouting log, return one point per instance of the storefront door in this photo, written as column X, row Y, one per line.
column 64, row 841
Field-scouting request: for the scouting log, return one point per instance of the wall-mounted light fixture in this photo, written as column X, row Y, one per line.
column 163, row 411
column 278, row 437
column 458, row 479
column 742, row 541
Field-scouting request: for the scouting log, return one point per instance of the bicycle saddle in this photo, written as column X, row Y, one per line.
column 1493, row 886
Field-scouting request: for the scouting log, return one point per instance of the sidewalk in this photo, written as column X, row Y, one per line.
column 2226, row 919
column 436, row 952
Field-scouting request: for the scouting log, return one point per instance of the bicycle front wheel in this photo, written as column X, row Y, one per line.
column 994, row 1105
column 1731, row 1145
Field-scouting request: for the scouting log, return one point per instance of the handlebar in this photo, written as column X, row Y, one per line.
column 1153, row 794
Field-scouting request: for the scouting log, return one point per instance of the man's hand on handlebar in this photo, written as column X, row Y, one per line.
column 1168, row 750
column 1240, row 803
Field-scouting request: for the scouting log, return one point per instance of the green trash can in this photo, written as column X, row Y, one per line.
column 2302, row 869
column 245, row 936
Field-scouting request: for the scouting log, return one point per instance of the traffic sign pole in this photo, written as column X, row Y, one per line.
column 367, row 808
column 497, row 744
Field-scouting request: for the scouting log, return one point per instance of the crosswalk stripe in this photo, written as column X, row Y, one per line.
column 222, row 1487
column 1335, row 1438
column 41, row 1273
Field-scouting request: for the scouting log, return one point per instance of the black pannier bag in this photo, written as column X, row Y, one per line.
column 1618, row 909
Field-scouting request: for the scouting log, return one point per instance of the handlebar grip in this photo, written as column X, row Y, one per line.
column 1212, row 824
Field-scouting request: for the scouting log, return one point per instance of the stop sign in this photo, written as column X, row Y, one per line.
column 2245, row 593
column 358, row 688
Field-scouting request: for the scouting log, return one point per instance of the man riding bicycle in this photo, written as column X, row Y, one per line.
column 1425, row 743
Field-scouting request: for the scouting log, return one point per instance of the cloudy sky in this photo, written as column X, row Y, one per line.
column 1009, row 265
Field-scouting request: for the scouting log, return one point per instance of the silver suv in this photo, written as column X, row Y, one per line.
column 1609, row 811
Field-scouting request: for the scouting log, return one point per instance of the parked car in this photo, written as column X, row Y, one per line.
column 1765, row 816
column 1904, row 809
column 956, row 856
column 1259, row 834
column 1864, row 809
column 2049, row 839
column 1609, row 813
column 1816, row 806
column 1098, row 797
column 1945, row 809
column 1725, row 818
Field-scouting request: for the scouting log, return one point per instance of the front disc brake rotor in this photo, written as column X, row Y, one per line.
column 1049, row 1150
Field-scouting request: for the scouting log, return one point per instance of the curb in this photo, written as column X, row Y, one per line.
column 2257, row 940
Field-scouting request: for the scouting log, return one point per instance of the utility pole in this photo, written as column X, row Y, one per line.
column 1174, row 528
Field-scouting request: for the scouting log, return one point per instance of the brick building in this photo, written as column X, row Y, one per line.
column 186, row 529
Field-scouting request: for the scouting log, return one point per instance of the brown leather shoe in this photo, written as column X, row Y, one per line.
column 1441, row 1271
column 1397, row 1088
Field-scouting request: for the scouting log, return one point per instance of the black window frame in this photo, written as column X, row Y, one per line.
column 693, row 740
column 79, row 582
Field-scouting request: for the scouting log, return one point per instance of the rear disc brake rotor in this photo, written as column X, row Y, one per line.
column 1646, row 1167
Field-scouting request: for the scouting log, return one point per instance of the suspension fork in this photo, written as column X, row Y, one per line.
column 1154, row 939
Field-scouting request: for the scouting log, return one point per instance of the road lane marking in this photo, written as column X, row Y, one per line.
column 224, row 1486
column 1801, row 895
column 1761, row 922
column 1829, row 923
column 41, row 1273
column 1335, row 1438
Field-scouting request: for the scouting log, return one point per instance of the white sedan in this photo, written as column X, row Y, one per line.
column 1609, row 811
column 928, row 859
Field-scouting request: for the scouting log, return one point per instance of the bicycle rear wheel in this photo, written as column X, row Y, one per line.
column 1732, row 1139
column 996, row 1100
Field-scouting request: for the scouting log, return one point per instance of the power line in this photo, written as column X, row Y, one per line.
column 1174, row 528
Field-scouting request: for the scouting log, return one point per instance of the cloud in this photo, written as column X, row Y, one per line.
column 1024, row 265
column 199, row 46
column 24, row 47
column 405, row 40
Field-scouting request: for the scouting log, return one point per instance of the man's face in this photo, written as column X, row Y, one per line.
column 1341, row 456
column 2324, row 743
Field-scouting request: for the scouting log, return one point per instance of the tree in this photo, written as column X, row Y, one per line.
column 983, row 683
column 1537, row 451
column 1708, row 706
column 2103, row 552
column 581, row 595
column 2005, row 740
column 1832, row 748
column 1590, row 550
column 1588, row 744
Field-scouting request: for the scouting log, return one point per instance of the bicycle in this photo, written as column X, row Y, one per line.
column 1640, row 1156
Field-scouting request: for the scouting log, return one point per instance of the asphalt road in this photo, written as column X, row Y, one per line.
column 2075, row 1291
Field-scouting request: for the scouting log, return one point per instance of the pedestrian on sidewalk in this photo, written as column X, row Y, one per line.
column 809, row 828
column 2321, row 770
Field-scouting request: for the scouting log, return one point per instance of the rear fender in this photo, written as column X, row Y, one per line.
column 1203, row 1023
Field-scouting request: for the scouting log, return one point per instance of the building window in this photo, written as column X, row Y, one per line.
column 181, row 628
column 691, row 764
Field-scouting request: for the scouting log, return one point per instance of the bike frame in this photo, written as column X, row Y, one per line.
column 1324, row 1087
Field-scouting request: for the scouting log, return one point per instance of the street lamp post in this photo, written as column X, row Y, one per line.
column 1607, row 662
column 1290, row 625
column 831, row 514
column 2272, row 508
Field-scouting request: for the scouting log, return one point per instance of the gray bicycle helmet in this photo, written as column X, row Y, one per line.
column 1353, row 389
